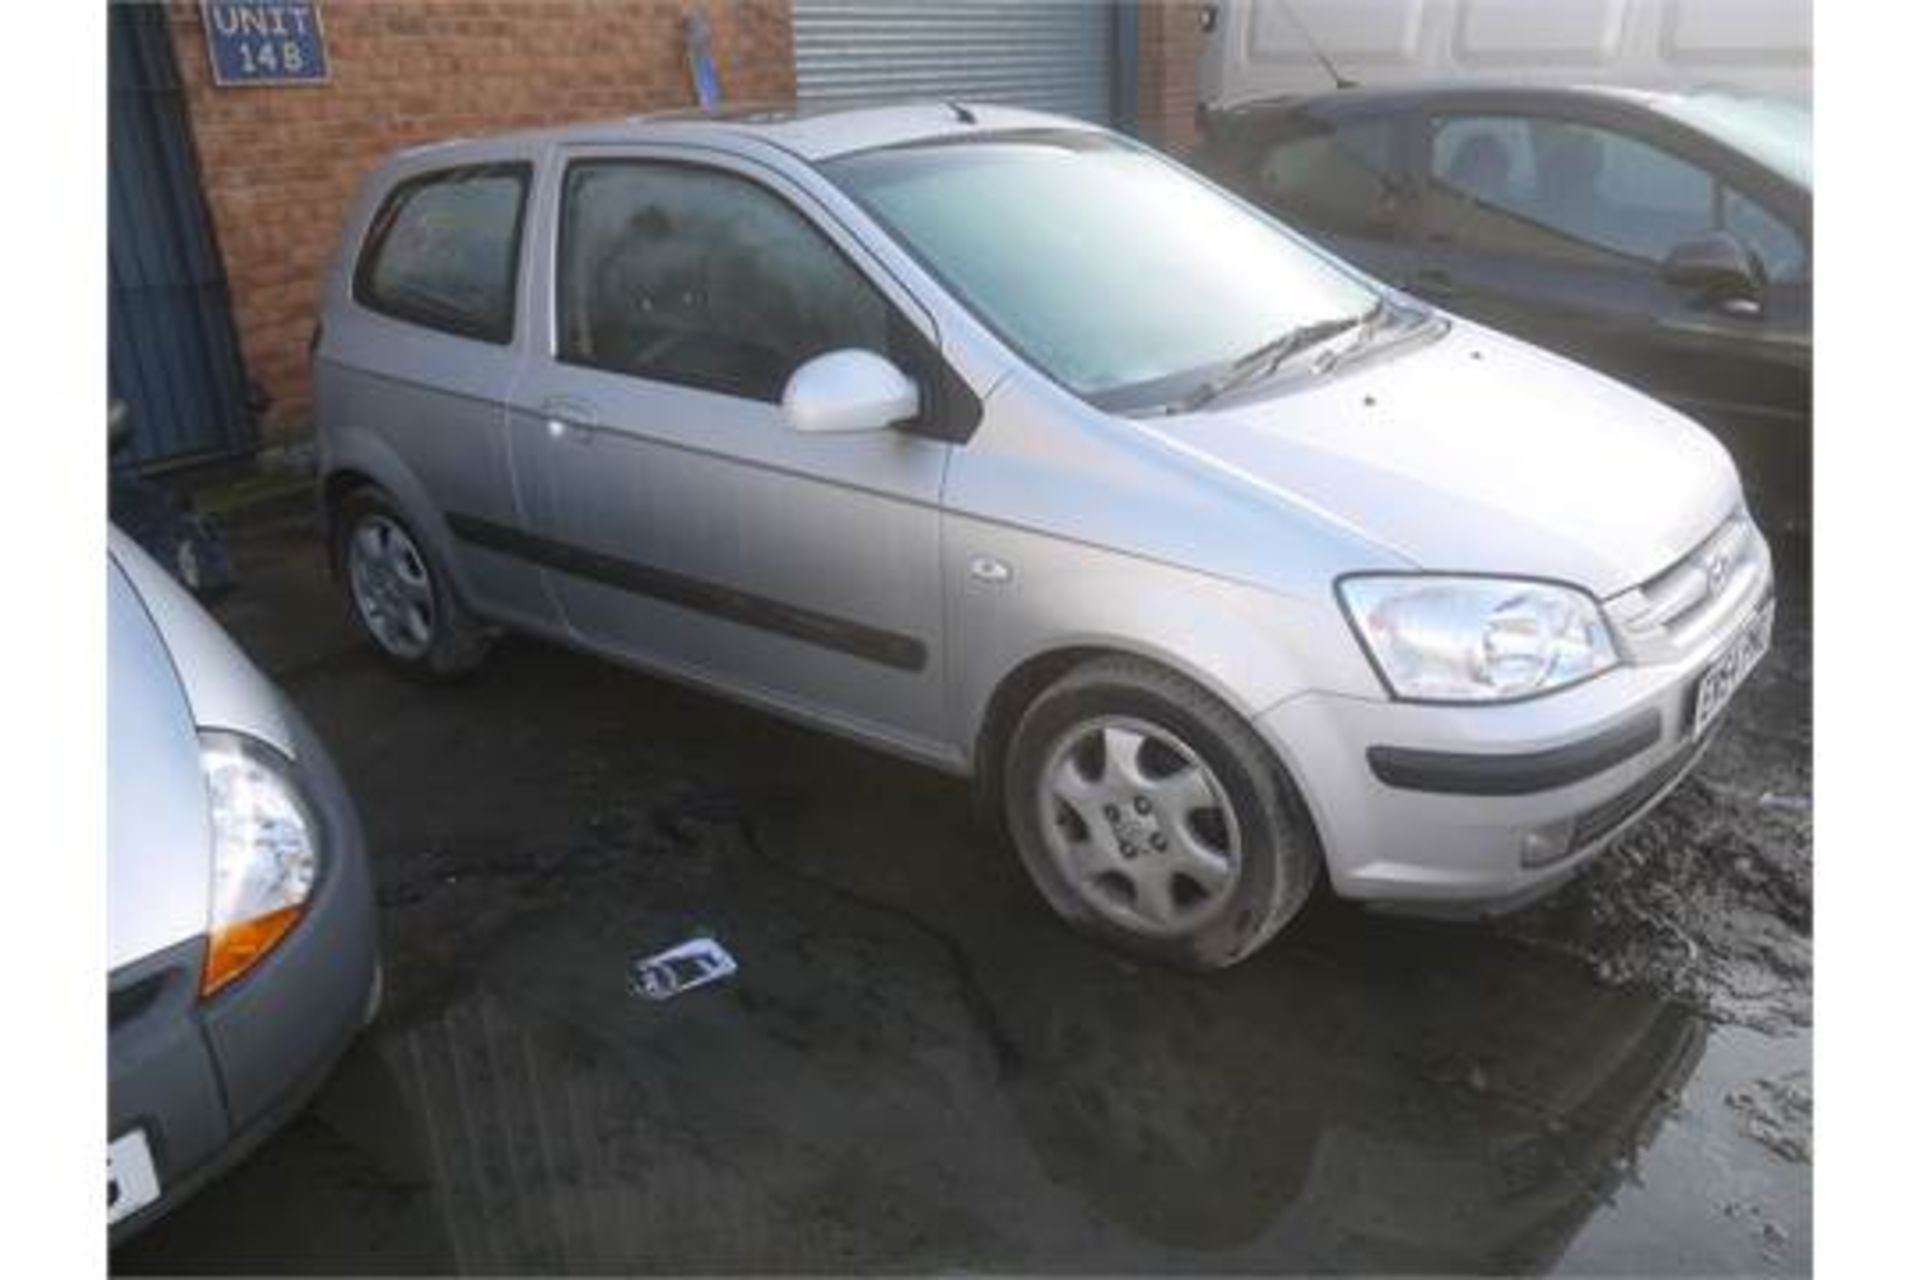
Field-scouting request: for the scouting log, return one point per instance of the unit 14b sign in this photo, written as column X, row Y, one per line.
column 266, row 42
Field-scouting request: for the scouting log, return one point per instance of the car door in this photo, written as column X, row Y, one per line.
column 684, row 523
column 1555, row 228
column 1745, row 367
column 1340, row 180
column 416, row 359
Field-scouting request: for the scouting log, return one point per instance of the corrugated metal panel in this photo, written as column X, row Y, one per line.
column 171, row 352
column 1051, row 55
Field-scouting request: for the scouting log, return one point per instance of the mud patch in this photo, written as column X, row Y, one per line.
column 1709, row 899
column 1708, row 903
column 1778, row 1114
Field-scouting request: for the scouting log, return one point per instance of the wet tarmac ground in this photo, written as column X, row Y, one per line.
column 916, row 1068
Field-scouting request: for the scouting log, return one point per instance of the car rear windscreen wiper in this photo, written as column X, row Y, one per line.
column 1267, row 357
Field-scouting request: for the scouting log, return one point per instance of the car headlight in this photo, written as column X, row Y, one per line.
column 1460, row 639
column 266, row 854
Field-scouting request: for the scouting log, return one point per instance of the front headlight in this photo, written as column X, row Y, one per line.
column 1443, row 639
column 266, row 854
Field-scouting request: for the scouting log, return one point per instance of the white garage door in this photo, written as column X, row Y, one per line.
column 1052, row 55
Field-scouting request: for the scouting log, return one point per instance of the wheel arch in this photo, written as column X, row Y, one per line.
column 1009, row 700
column 359, row 460
column 335, row 486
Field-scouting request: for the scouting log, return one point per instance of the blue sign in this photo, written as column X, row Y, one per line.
column 706, row 77
column 266, row 42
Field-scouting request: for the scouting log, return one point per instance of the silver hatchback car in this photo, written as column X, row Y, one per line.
column 242, row 943
column 1003, row 443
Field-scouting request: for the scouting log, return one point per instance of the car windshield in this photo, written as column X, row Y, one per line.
column 1774, row 132
column 1115, row 272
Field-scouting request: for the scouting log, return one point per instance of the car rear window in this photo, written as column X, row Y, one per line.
column 444, row 251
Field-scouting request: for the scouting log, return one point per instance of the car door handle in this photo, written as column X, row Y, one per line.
column 1431, row 283
column 569, row 418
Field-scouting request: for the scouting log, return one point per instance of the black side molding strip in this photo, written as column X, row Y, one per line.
column 888, row 648
column 1513, row 773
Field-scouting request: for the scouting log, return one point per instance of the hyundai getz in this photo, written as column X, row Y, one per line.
column 1001, row 442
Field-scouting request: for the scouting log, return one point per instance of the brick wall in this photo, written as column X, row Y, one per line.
column 280, row 165
column 1170, row 41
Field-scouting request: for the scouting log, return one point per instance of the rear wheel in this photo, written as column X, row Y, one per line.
column 1149, row 815
column 401, row 597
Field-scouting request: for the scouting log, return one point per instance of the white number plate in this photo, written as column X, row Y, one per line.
column 1730, row 669
column 132, row 1184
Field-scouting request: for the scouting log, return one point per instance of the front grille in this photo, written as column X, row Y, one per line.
column 1605, row 818
column 1679, row 608
column 1678, row 596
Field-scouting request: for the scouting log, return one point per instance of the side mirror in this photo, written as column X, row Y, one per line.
column 849, row 390
column 1720, row 268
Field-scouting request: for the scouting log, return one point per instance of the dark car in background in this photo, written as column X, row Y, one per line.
column 1661, row 237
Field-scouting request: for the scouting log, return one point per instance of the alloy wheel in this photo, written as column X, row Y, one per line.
column 1139, row 826
column 392, row 590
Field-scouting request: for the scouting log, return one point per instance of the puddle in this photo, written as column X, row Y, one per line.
column 1707, row 1196
column 1373, row 1097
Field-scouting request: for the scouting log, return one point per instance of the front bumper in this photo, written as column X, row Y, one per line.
column 1488, row 808
column 208, row 1081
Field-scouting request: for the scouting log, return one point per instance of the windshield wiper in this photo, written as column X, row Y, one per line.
column 1371, row 324
column 1268, row 356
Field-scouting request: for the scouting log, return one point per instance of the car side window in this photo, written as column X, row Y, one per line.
column 1781, row 251
column 702, row 278
column 1563, row 190
column 1338, row 180
column 444, row 251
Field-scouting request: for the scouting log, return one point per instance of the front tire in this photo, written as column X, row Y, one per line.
column 400, row 594
column 1150, row 816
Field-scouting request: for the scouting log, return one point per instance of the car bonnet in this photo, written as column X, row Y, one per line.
column 1477, row 453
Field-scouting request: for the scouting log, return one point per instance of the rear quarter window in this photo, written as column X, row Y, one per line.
column 444, row 251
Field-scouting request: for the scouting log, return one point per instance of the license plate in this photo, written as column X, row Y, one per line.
column 1730, row 669
column 132, row 1184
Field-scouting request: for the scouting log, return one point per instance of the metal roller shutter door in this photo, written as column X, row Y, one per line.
column 1051, row 55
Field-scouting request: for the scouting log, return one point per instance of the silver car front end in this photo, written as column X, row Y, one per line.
column 1494, row 805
